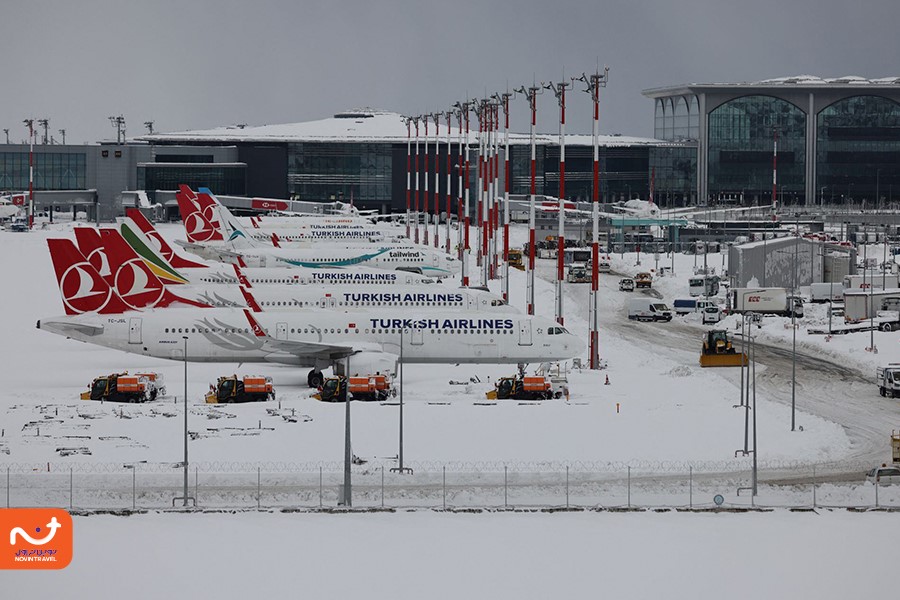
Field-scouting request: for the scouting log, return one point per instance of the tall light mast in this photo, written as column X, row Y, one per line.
column 559, row 90
column 531, row 95
column 437, row 170
column 426, row 174
column 408, row 171
column 29, row 123
column 416, row 212
column 449, row 168
column 595, row 82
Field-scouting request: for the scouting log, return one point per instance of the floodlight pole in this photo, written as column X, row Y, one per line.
column 408, row 171
column 595, row 82
column 437, row 174
column 531, row 95
column 29, row 123
column 449, row 168
column 559, row 90
column 348, row 453
column 185, row 497
column 416, row 211
column 505, row 103
column 400, row 468
column 466, row 248
column 794, row 331
column 426, row 174
column 459, row 199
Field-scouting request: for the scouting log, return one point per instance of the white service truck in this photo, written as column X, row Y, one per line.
column 648, row 309
column 766, row 301
column 878, row 281
column 826, row 292
column 888, row 379
column 882, row 307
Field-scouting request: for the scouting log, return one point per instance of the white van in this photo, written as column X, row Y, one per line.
column 684, row 306
column 648, row 309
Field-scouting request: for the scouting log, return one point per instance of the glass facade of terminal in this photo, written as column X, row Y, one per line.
column 858, row 150
column 330, row 171
column 674, row 173
column 52, row 171
column 741, row 137
column 223, row 179
column 623, row 171
column 677, row 118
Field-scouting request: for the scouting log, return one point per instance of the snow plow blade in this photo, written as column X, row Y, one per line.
column 723, row 360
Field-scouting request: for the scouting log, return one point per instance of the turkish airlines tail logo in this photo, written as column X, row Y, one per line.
column 80, row 284
column 254, row 326
column 198, row 228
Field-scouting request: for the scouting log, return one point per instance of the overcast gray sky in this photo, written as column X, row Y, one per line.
column 199, row 64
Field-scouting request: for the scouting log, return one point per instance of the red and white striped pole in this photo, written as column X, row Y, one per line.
column 466, row 247
column 426, row 174
column 437, row 174
column 30, row 124
column 447, row 222
column 408, row 173
column 560, row 91
column 479, row 175
column 495, row 214
column 416, row 212
column 459, row 188
column 505, row 288
column 594, row 84
column 531, row 95
column 485, row 174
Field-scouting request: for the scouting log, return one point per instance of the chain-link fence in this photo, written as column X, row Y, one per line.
column 312, row 486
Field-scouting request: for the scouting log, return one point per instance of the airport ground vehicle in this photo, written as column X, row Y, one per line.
column 643, row 280
column 516, row 260
column 648, row 309
column 718, row 351
column 711, row 314
column 772, row 301
column 520, row 387
column 626, row 285
column 603, row 266
column 707, row 285
column 888, row 380
column 234, row 389
column 883, row 475
column 826, row 292
column 882, row 306
column 684, row 306
column 578, row 273
column 871, row 279
column 376, row 387
column 122, row 387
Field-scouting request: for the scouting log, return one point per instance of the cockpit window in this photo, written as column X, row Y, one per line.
column 556, row 331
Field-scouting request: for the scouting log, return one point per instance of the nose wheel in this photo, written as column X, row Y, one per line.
column 315, row 378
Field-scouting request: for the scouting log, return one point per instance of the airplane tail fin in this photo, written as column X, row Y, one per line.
column 275, row 240
column 160, row 245
column 91, row 247
column 148, row 253
column 254, row 325
column 197, row 225
column 80, row 285
column 232, row 231
column 133, row 280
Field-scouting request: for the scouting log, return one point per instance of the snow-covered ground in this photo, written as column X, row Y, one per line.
column 662, row 433
column 781, row 554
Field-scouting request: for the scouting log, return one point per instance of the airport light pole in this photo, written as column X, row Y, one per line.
column 400, row 468
column 415, row 121
column 29, row 123
column 408, row 170
column 347, row 500
column 531, row 95
column 559, row 90
column 185, row 497
column 595, row 82
column 426, row 174
column 449, row 169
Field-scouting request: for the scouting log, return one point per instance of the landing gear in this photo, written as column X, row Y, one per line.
column 315, row 378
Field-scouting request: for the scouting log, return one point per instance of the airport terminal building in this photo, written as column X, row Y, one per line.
column 838, row 141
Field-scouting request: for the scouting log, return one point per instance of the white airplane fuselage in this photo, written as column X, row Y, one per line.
column 225, row 335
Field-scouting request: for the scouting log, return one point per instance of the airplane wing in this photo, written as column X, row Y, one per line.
column 306, row 349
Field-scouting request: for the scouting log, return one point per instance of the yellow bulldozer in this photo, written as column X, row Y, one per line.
column 719, row 352
column 516, row 259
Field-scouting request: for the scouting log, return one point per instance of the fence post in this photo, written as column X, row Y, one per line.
column 320, row 487
column 382, row 486
column 629, row 487
column 134, row 488
column 814, row 486
column 444, row 485
column 71, row 489
column 691, row 488
column 7, row 487
column 876, row 490
column 567, row 487
column 505, row 490
column 258, row 478
column 196, row 477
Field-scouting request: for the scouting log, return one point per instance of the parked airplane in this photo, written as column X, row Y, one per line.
column 230, row 274
column 109, row 253
column 8, row 208
column 239, row 247
column 364, row 341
